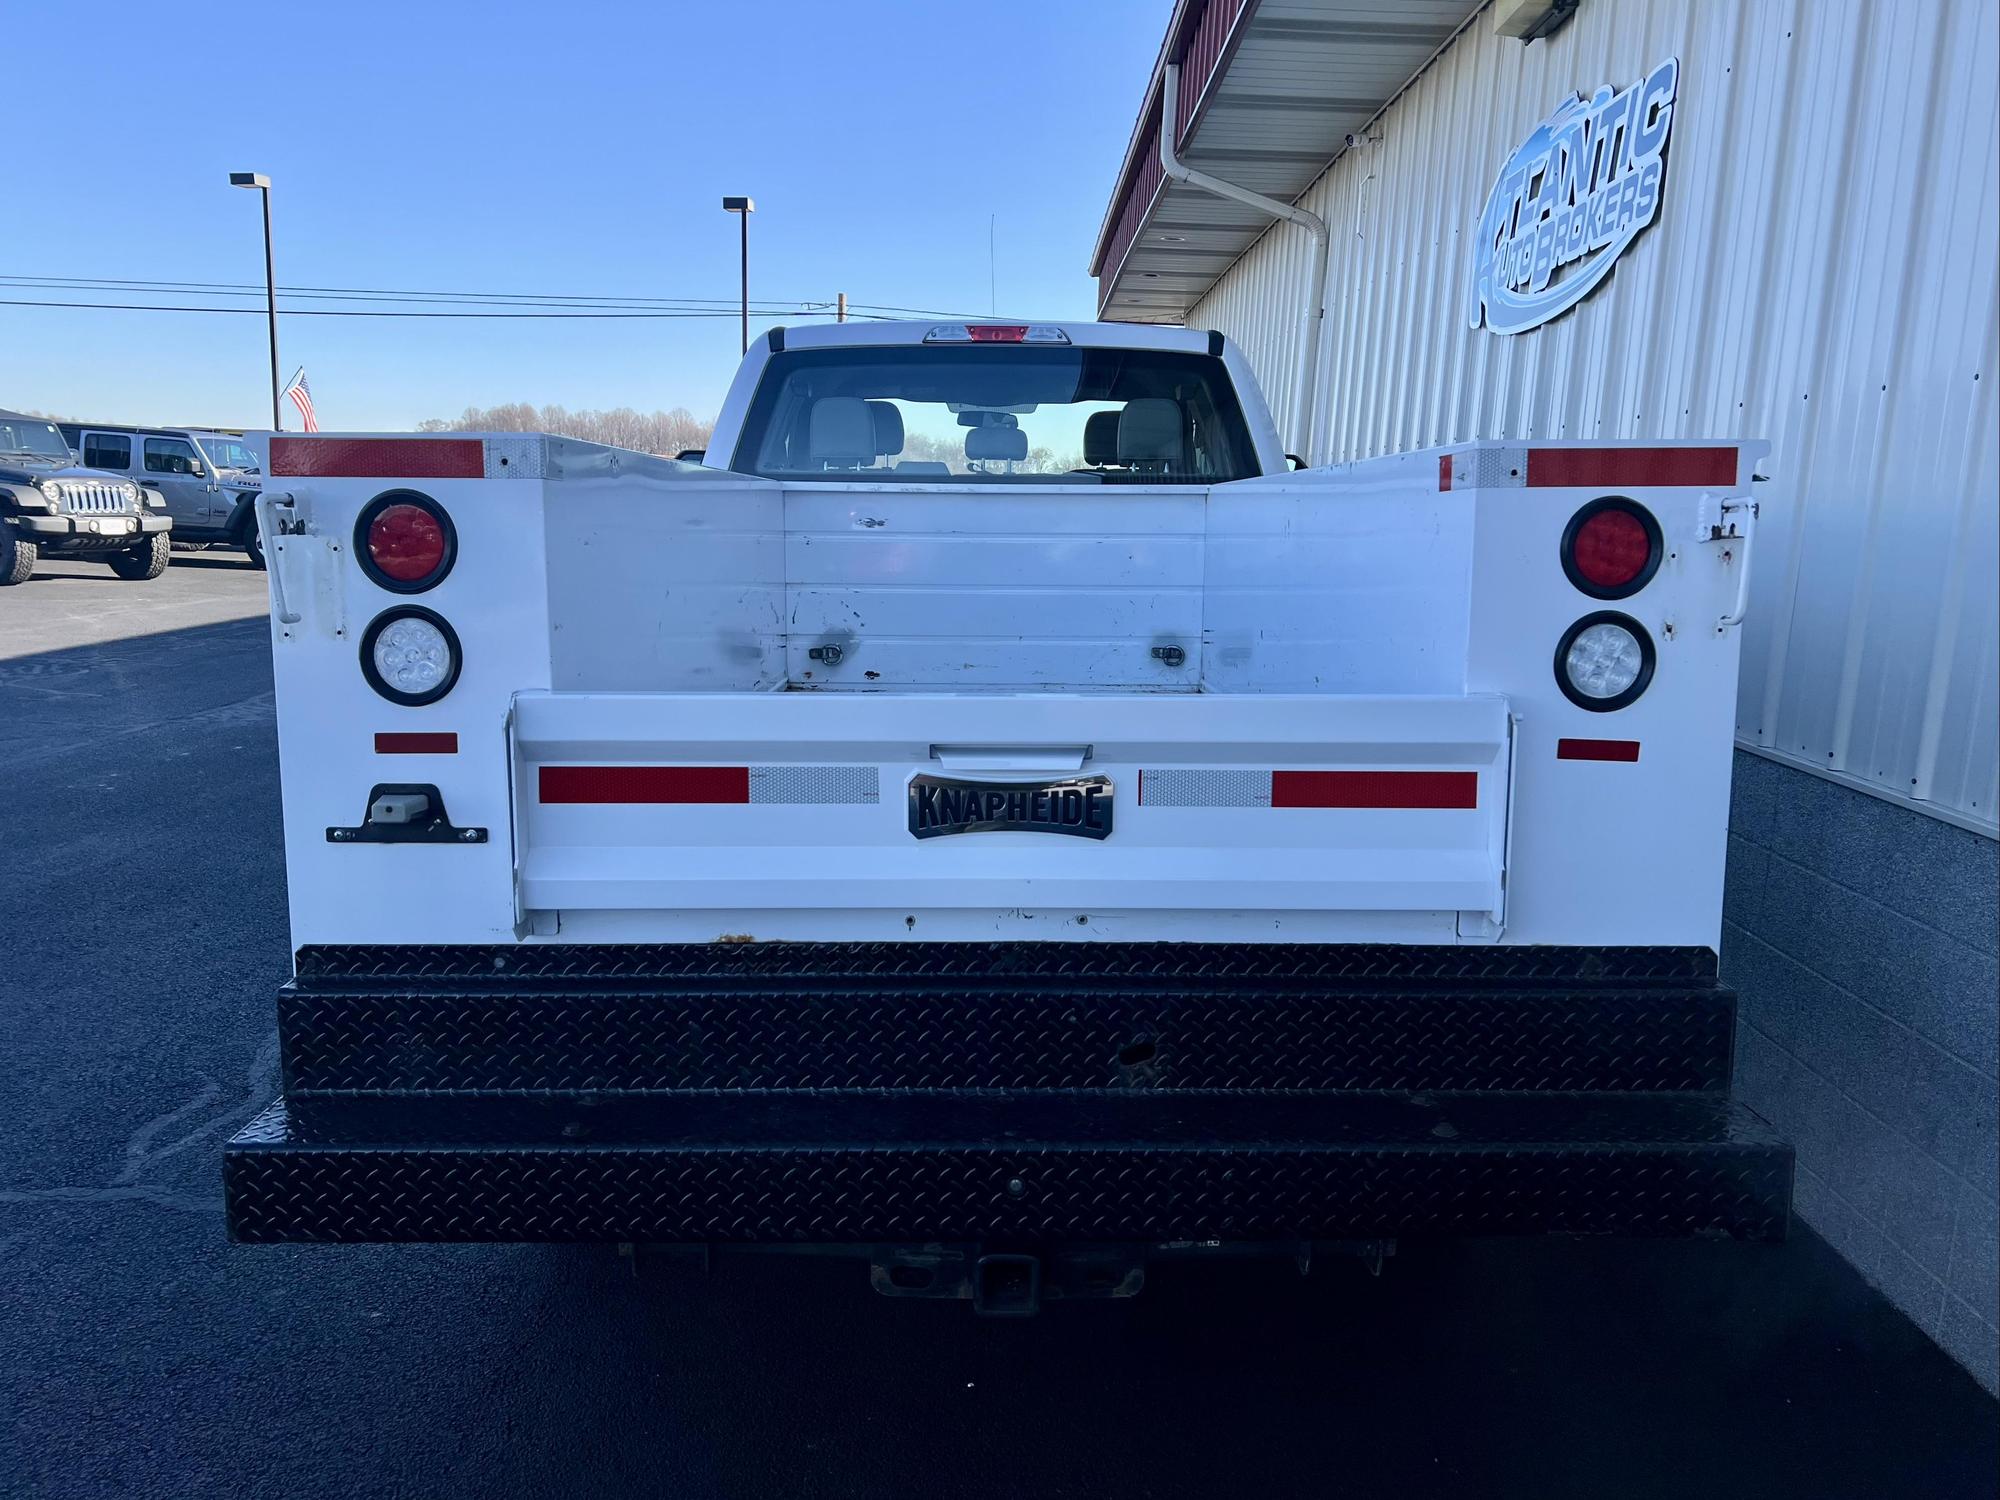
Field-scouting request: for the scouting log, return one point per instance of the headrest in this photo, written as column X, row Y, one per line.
column 1149, row 430
column 888, row 427
column 996, row 442
column 1100, row 439
column 842, row 431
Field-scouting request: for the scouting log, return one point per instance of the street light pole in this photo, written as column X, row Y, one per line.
column 745, row 208
column 262, row 183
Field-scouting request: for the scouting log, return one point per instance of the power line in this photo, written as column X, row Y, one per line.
column 247, row 289
column 347, row 312
column 663, row 305
column 767, row 307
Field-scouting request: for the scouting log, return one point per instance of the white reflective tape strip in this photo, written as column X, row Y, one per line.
column 1190, row 788
column 806, row 784
column 1489, row 469
column 516, row 457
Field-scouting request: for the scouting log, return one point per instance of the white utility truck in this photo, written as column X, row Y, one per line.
column 996, row 817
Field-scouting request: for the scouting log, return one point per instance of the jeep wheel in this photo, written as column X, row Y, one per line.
column 17, row 556
column 147, row 560
column 253, row 539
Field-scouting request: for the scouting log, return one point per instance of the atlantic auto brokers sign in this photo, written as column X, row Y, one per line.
column 1570, row 200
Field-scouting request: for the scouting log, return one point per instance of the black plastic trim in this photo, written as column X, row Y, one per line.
column 424, row 503
column 1655, row 542
column 776, row 340
column 1215, row 343
column 436, row 829
column 1647, row 660
column 389, row 617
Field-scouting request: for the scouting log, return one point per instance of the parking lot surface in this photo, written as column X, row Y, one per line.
column 142, row 929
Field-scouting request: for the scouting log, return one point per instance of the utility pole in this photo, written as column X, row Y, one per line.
column 263, row 185
column 840, row 308
column 745, row 208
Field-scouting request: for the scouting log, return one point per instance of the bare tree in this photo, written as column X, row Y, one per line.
column 667, row 432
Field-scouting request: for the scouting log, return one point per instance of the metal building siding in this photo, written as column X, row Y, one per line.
column 1822, row 273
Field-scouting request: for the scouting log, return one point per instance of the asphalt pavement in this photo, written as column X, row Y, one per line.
column 142, row 930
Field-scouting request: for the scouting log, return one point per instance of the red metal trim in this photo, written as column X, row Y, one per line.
column 1597, row 750
column 378, row 458
column 1631, row 468
column 1201, row 54
column 1147, row 183
column 436, row 743
column 1453, row 789
column 636, row 784
column 1203, row 37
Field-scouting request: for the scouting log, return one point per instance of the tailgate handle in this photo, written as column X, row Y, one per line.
column 1011, row 757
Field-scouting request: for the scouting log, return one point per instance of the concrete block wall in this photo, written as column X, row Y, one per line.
column 1861, row 938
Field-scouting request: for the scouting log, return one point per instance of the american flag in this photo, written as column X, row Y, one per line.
column 302, row 398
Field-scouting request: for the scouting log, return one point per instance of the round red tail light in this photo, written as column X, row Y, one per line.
column 405, row 541
column 1611, row 548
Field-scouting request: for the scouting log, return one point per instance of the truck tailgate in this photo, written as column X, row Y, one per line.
column 798, row 801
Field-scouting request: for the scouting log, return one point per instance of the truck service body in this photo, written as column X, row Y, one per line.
column 1106, row 840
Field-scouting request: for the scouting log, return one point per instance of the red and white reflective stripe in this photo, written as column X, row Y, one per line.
column 691, row 785
column 378, row 458
column 1336, row 789
column 1588, row 468
column 417, row 743
column 1627, row 750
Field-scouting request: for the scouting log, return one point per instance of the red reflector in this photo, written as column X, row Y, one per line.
column 1444, row 474
column 1631, row 468
column 997, row 333
column 1597, row 749
column 1374, row 789
column 416, row 744
column 378, row 458
column 406, row 542
column 1612, row 547
column 645, row 784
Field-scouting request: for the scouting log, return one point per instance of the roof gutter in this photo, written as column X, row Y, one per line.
column 1312, row 223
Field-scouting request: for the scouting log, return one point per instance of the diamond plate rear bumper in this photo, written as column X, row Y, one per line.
column 800, row 1169
column 1018, row 1094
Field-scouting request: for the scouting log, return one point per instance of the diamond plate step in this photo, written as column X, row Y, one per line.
column 821, row 1168
column 1079, row 1032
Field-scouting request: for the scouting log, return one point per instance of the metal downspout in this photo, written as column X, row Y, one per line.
column 1312, row 223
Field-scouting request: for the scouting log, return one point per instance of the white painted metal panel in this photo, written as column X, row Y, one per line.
column 666, row 584
column 1008, row 587
column 680, row 864
column 1822, row 273
column 1357, row 588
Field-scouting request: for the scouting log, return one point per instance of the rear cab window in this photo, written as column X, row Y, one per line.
column 987, row 413
column 106, row 450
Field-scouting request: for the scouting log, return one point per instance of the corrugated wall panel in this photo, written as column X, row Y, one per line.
column 1823, row 274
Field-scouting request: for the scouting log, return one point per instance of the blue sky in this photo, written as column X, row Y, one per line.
column 576, row 149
